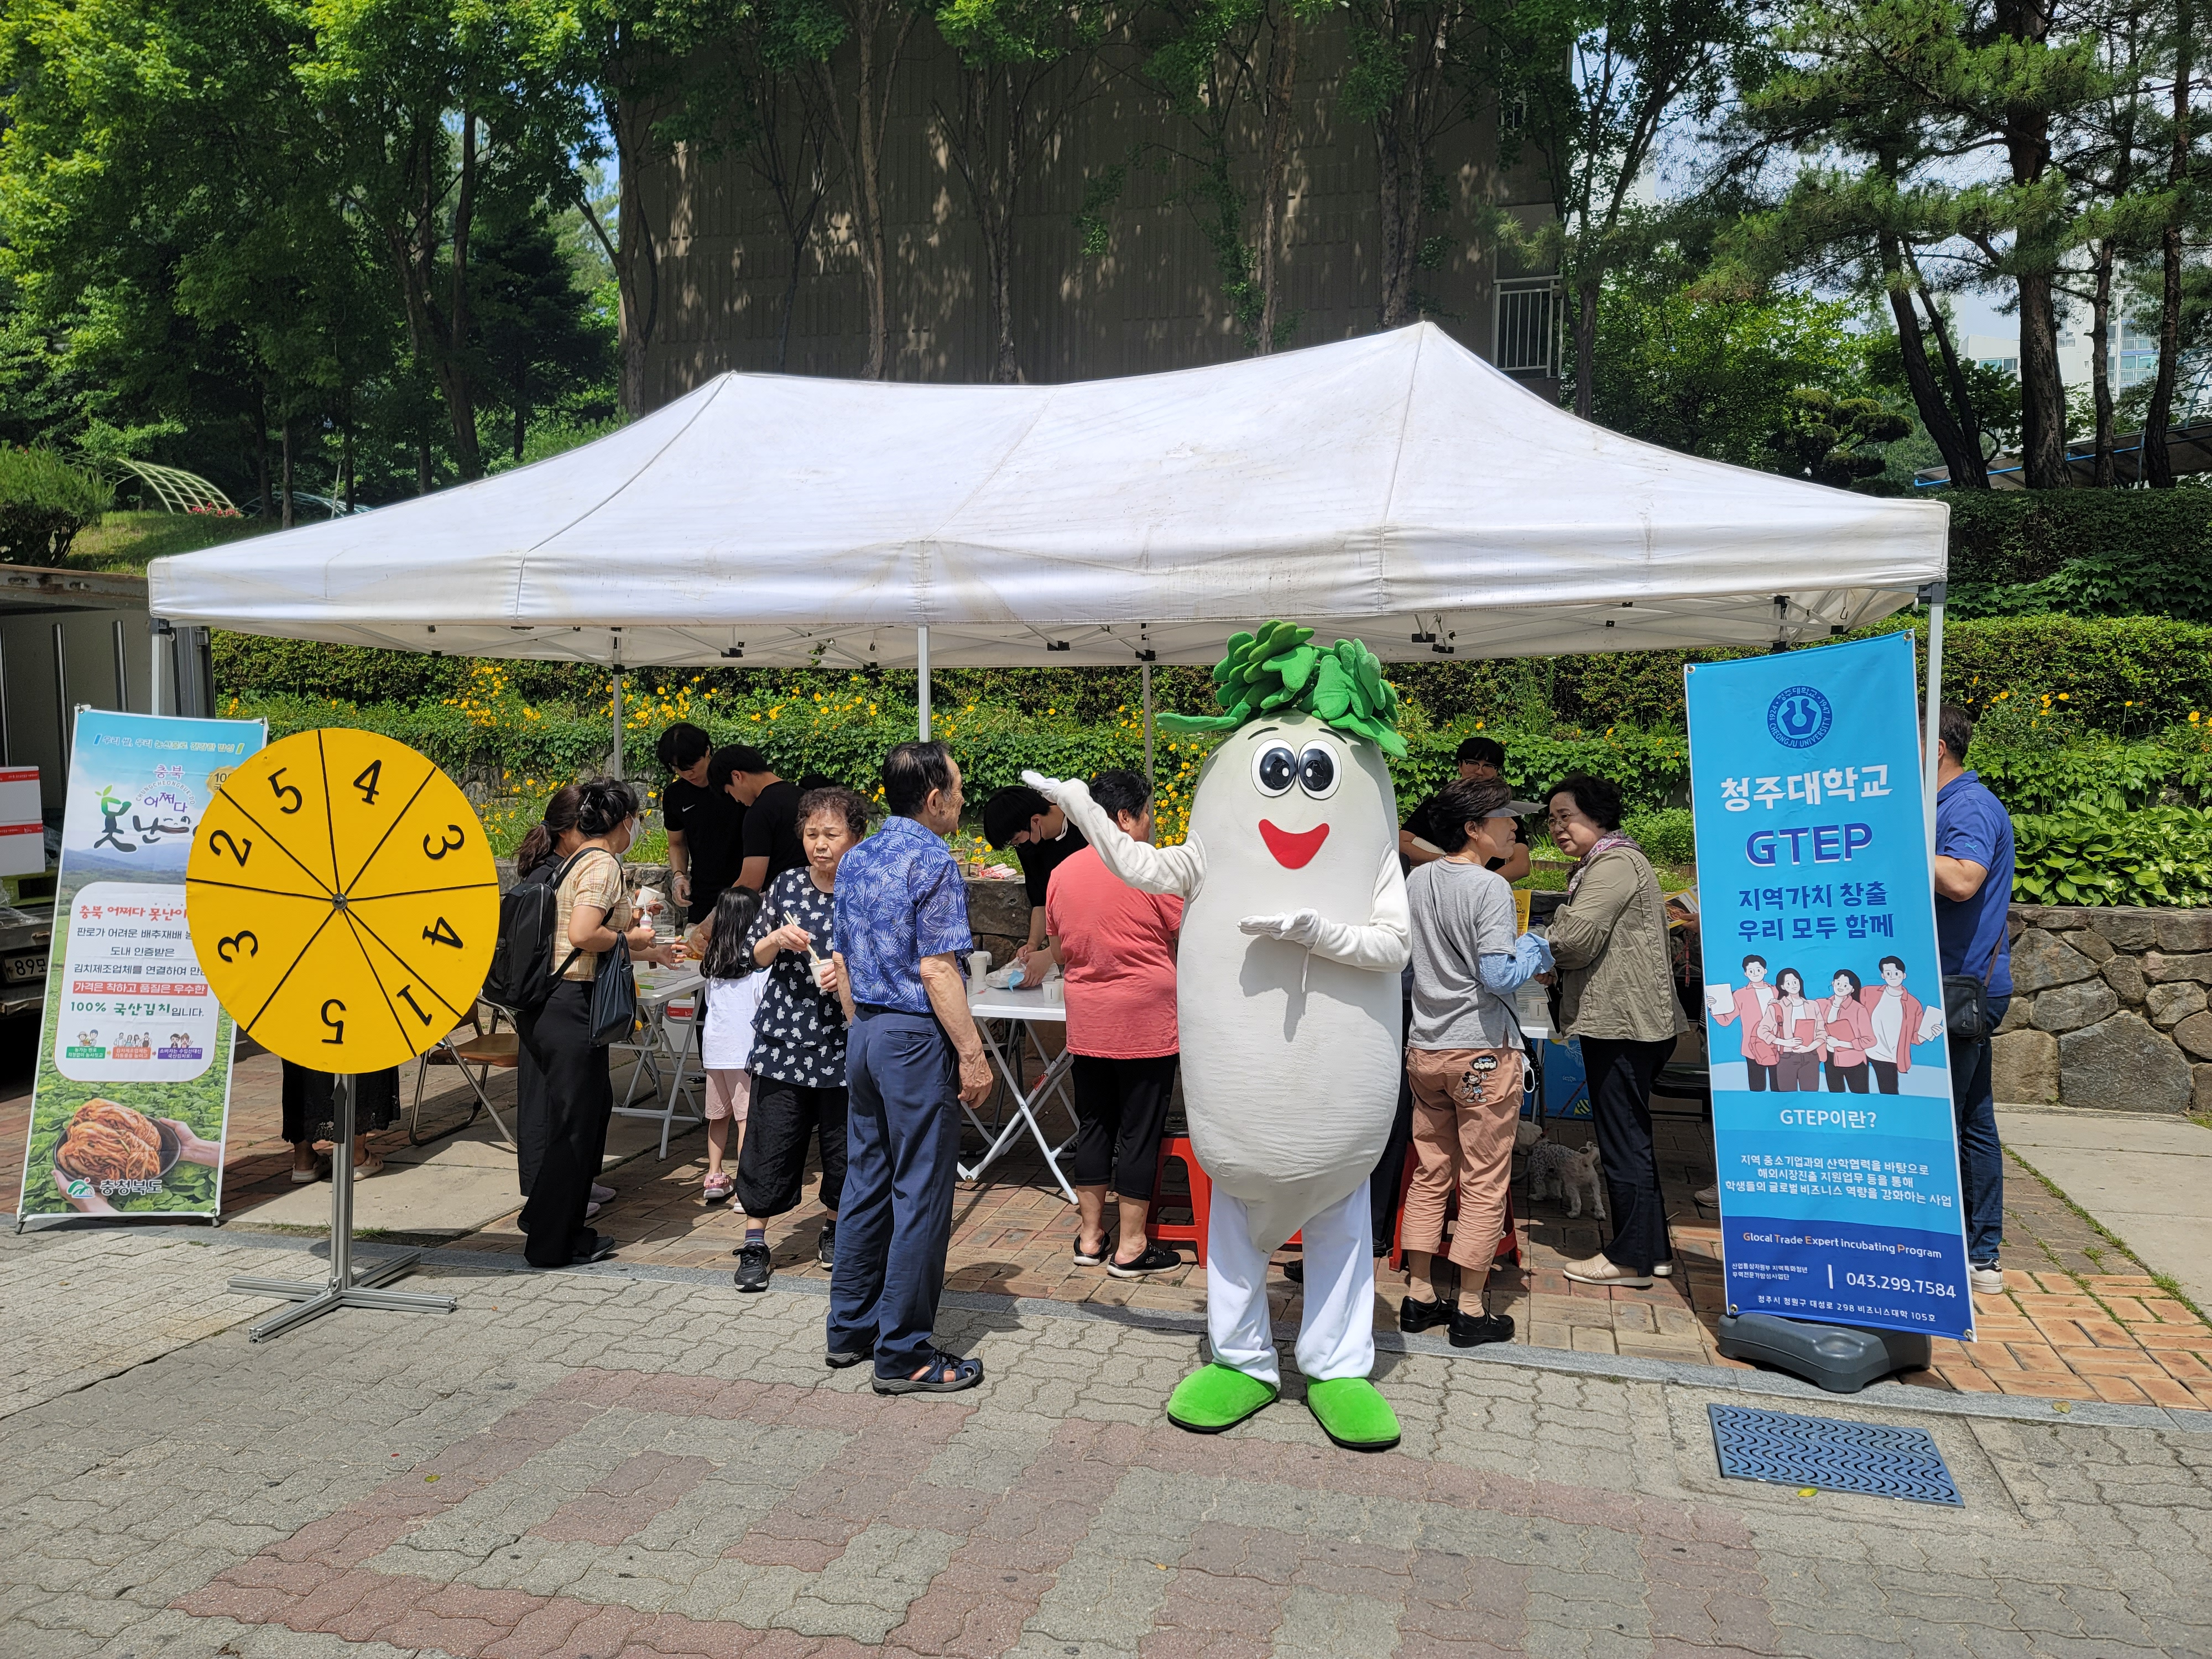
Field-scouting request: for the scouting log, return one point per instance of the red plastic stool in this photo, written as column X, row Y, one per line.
column 1191, row 1232
column 1509, row 1244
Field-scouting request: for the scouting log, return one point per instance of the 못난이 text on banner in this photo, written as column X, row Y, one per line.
column 132, row 1089
column 1832, row 1125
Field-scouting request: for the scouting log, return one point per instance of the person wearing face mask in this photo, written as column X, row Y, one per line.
column 1617, row 995
column 592, row 915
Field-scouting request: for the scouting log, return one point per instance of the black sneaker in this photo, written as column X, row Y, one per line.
column 825, row 1248
column 1425, row 1316
column 753, row 1266
column 1295, row 1270
column 1473, row 1330
column 1157, row 1259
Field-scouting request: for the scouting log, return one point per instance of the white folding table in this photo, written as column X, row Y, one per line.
column 668, row 1011
column 1028, row 1010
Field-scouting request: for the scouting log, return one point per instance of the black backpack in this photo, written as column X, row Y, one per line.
column 522, row 974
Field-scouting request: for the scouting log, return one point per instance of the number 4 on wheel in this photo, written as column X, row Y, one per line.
column 342, row 900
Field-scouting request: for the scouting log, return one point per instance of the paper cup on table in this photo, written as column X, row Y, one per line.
column 978, row 967
column 1055, row 989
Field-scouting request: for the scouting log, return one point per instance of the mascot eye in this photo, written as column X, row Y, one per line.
column 1317, row 771
column 1275, row 768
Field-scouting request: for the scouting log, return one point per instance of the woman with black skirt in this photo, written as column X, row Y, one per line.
column 544, row 852
column 593, row 914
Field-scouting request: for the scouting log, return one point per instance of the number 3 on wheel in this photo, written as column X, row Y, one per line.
column 362, row 875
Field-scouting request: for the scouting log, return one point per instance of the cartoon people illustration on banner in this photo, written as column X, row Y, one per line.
column 1749, row 1006
column 1898, row 1022
column 1792, row 1027
column 1853, row 1038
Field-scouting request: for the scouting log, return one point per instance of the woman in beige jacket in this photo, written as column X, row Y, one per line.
column 1609, row 940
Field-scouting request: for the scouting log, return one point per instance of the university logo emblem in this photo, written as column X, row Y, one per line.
column 1799, row 717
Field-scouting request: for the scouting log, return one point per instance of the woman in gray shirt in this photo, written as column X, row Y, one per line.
column 1463, row 1056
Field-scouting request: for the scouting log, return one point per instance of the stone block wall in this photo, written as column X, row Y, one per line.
column 2110, row 1009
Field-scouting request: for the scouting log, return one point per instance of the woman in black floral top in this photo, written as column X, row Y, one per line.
column 798, row 1036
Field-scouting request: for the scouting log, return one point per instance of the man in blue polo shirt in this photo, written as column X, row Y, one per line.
column 1973, row 896
column 901, row 929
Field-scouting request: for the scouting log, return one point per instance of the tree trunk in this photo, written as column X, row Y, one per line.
column 453, row 376
column 1005, row 367
column 636, row 261
column 2105, row 474
column 1964, row 459
column 287, row 520
column 1586, row 292
column 345, row 452
column 2027, row 134
column 875, row 256
column 2157, row 460
column 522, row 407
column 1955, row 377
column 261, row 455
column 421, row 466
column 1274, row 181
column 2042, row 392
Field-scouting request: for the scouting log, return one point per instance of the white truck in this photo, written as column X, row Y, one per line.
column 69, row 639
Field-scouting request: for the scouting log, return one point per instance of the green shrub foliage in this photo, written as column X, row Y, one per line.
column 44, row 503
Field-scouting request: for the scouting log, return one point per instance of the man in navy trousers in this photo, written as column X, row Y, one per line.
column 913, row 1055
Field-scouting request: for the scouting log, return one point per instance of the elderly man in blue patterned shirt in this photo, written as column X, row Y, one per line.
column 902, row 918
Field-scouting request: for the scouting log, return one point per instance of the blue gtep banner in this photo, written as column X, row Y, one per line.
column 1832, row 1125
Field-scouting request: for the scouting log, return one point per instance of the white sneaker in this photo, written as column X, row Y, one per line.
column 1601, row 1270
column 1663, row 1270
column 1987, row 1279
column 602, row 1195
column 1707, row 1198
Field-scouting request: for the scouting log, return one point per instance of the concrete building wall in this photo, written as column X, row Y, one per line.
column 1152, row 301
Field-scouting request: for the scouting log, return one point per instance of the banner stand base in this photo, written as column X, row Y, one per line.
column 345, row 1288
column 1841, row 1358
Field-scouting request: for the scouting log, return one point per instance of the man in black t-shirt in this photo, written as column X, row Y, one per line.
column 1043, row 839
column 769, row 844
column 703, row 822
column 1425, row 837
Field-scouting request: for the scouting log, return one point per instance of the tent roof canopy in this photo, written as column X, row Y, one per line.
column 1394, row 487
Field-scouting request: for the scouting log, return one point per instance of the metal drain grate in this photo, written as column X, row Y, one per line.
column 1791, row 1451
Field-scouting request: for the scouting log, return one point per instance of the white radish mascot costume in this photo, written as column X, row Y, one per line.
column 1287, row 994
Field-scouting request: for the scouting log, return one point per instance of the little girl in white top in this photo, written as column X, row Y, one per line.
column 731, row 995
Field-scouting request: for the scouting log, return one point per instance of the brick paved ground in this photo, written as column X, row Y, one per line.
column 2081, row 1319
column 585, row 1465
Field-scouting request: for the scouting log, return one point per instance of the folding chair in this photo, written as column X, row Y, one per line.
column 488, row 1051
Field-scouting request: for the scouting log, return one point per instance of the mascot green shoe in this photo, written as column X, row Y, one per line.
column 1217, row 1397
column 1352, row 1411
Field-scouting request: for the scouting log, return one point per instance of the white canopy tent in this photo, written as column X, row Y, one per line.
column 1395, row 487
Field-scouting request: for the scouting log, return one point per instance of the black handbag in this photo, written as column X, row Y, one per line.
column 614, row 996
column 1966, row 1001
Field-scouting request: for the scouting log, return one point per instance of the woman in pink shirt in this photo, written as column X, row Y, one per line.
column 1117, row 947
column 1792, row 1025
column 1849, row 1028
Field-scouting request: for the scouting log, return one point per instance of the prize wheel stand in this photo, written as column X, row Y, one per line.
column 344, row 1288
column 344, row 906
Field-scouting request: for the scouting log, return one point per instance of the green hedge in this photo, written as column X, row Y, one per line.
column 2082, row 552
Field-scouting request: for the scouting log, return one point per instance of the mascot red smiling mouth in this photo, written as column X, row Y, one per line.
column 1293, row 851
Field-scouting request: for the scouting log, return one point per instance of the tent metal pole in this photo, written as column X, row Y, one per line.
column 618, row 723
column 1931, row 727
column 1146, row 673
column 921, row 671
column 160, row 665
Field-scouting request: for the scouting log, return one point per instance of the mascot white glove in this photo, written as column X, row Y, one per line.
column 1298, row 928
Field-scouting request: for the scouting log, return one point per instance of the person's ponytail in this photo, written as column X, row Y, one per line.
column 544, row 837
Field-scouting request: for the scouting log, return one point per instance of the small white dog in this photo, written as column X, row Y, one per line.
column 1562, row 1170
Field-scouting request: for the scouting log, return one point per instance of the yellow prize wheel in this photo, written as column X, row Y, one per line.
column 342, row 900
